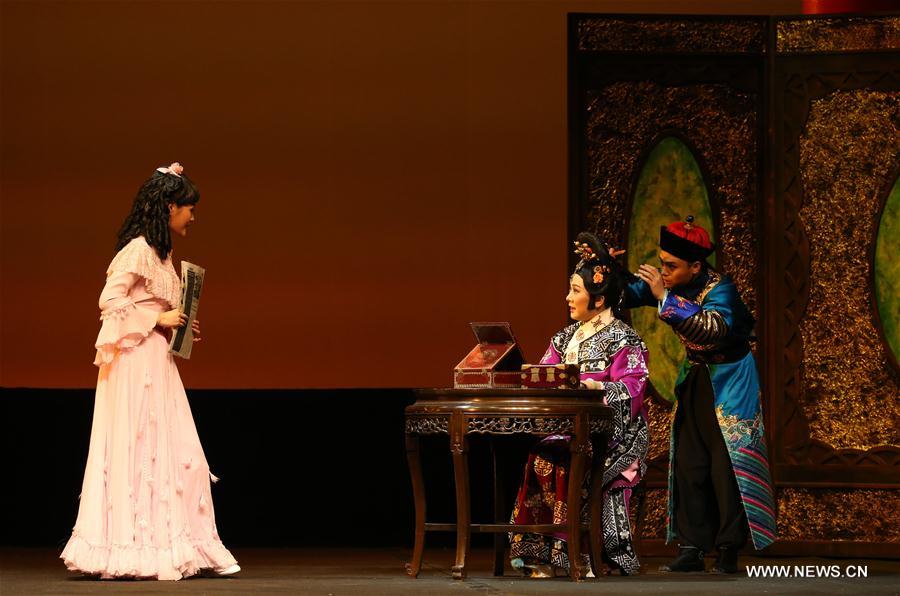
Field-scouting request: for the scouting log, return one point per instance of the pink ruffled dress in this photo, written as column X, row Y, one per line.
column 146, row 505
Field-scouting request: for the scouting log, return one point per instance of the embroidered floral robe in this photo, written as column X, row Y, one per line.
column 614, row 359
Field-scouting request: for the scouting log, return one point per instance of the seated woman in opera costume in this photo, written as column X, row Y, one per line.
column 612, row 358
column 146, row 507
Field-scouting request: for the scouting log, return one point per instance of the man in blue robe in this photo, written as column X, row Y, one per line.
column 720, row 489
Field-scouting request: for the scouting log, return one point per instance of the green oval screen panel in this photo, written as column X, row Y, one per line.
column 887, row 270
column 669, row 188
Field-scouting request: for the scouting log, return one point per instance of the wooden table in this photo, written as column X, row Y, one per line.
column 463, row 412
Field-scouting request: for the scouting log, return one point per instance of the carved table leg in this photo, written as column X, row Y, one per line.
column 459, row 447
column 499, row 539
column 413, row 457
column 596, row 497
column 579, row 450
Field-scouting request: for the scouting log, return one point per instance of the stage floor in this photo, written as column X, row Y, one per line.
column 380, row 571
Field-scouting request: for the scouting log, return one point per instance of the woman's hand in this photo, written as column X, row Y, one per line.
column 195, row 327
column 171, row 318
column 652, row 276
column 590, row 384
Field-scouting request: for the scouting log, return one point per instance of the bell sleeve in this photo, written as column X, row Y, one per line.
column 124, row 324
column 624, row 393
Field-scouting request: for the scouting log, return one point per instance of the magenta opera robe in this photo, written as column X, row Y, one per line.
column 146, row 506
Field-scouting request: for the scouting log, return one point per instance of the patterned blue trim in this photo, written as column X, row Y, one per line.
column 675, row 309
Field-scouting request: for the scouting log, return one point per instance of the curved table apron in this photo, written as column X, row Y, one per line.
column 463, row 412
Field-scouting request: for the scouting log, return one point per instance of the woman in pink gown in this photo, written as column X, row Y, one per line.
column 146, row 507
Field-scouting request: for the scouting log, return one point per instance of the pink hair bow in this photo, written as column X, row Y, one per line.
column 175, row 169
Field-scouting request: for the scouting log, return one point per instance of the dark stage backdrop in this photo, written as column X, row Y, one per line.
column 296, row 467
column 374, row 176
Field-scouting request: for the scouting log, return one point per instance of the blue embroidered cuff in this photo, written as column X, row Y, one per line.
column 675, row 309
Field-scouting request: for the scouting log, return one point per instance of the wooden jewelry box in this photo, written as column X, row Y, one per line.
column 495, row 361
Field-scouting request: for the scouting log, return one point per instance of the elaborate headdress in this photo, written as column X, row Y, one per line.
column 601, row 273
column 686, row 240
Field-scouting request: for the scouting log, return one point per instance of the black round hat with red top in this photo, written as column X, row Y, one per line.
column 686, row 240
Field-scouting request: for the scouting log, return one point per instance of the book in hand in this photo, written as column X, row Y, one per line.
column 191, row 283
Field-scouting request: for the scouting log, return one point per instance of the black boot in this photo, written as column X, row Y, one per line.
column 726, row 562
column 689, row 559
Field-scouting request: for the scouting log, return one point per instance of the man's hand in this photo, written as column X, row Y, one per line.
column 652, row 276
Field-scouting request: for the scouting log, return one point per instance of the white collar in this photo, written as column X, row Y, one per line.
column 585, row 331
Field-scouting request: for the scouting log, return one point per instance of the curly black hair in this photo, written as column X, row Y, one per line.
column 149, row 215
column 612, row 288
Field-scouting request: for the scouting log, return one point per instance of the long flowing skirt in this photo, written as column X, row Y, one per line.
column 146, row 504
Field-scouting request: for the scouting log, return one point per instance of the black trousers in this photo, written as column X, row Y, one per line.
column 708, row 508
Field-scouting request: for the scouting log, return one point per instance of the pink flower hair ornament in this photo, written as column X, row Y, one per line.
column 175, row 169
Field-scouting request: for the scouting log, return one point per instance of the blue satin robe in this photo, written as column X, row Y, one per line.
column 715, row 325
